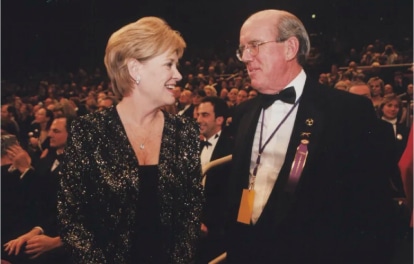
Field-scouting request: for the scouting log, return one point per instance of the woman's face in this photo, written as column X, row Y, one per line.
column 159, row 76
column 375, row 88
column 390, row 110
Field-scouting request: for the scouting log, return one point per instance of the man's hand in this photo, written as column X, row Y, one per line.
column 20, row 158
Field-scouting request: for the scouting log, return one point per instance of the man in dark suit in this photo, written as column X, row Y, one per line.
column 212, row 114
column 303, row 188
column 42, row 243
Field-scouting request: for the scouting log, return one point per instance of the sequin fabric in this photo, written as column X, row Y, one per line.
column 100, row 185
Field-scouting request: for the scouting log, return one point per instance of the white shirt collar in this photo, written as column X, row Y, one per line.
column 298, row 83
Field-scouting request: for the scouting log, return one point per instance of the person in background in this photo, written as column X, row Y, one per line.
column 252, row 93
column 211, row 116
column 377, row 91
column 390, row 110
column 303, row 188
column 187, row 107
column 42, row 243
column 106, row 102
column 120, row 192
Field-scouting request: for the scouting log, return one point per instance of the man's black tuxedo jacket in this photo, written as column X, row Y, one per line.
column 216, row 186
column 340, row 210
column 48, row 183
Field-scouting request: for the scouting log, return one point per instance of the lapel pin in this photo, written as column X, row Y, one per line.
column 309, row 121
column 305, row 134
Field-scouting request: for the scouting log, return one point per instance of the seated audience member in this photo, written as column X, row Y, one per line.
column 38, row 137
column 390, row 110
column 186, row 99
column 17, row 192
column 106, row 102
column 223, row 93
column 211, row 116
column 377, row 91
column 342, row 85
column 210, row 90
column 42, row 243
column 252, row 93
column 232, row 96
column 242, row 96
column 360, row 88
column 8, row 122
column 388, row 90
column 387, row 141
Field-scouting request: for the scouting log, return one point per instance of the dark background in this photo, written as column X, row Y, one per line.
column 55, row 35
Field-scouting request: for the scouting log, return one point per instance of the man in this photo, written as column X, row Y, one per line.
column 42, row 242
column 186, row 102
column 304, row 188
column 8, row 122
column 360, row 88
column 106, row 102
column 212, row 113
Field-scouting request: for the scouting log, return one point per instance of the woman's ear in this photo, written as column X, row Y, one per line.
column 134, row 67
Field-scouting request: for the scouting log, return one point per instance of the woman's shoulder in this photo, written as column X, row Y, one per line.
column 180, row 122
column 94, row 123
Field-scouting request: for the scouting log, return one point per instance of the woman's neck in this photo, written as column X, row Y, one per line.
column 135, row 114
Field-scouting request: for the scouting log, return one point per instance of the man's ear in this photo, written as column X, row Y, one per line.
column 220, row 120
column 292, row 48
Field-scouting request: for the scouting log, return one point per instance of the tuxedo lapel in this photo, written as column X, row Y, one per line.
column 222, row 148
column 308, row 125
column 247, row 131
column 245, row 122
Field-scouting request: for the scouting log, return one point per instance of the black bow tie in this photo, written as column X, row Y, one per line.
column 205, row 143
column 287, row 95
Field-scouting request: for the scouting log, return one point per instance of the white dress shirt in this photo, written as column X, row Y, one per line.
column 274, row 153
column 206, row 152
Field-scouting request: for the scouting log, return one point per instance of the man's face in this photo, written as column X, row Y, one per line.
column 185, row 97
column 58, row 134
column 104, row 103
column 269, row 66
column 4, row 113
column 206, row 118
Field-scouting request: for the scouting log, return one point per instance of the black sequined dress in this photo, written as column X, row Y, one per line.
column 150, row 234
column 99, row 201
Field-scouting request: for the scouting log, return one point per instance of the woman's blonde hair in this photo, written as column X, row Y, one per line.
column 142, row 40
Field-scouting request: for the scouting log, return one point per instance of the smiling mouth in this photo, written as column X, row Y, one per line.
column 170, row 86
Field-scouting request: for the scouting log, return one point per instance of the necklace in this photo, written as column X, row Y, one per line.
column 142, row 144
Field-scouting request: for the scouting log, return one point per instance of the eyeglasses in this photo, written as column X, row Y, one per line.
column 253, row 48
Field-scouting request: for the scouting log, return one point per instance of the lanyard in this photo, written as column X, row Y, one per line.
column 263, row 146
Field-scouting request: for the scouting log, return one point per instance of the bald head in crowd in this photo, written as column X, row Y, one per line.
column 360, row 88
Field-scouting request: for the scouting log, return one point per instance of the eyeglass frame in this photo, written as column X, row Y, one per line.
column 254, row 44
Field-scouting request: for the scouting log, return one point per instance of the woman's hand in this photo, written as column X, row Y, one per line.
column 14, row 246
column 41, row 244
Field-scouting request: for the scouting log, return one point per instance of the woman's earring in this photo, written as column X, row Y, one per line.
column 138, row 80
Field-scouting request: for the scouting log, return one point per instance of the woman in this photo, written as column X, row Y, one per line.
column 38, row 135
column 131, row 176
column 391, row 110
column 377, row 91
